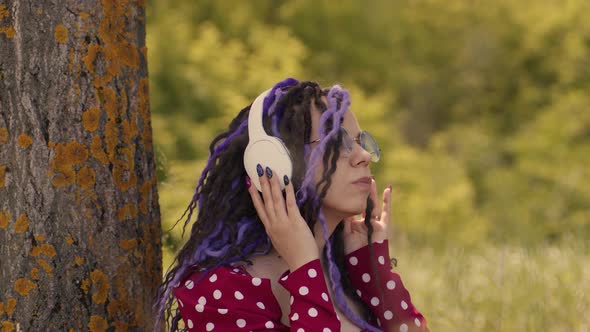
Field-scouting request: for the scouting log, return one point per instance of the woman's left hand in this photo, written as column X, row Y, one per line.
column 355, row 231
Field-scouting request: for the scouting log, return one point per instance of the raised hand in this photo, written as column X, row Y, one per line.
column 355, row 231
column 288, row 231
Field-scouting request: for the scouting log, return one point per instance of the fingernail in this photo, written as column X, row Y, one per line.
column 259, row 170
column 286, row 179
column 268, row 172
column 248, row 182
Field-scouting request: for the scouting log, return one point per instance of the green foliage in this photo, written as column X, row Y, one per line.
column 481, row 109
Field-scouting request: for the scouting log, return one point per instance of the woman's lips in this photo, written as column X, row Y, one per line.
column 364, row 182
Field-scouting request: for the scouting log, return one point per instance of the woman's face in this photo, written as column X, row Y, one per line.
column 351, row 182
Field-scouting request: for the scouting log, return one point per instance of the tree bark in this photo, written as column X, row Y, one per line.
column 79, row 217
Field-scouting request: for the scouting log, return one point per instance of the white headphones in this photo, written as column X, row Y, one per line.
column 268, row 151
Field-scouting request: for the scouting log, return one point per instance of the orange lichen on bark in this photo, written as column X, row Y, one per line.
column 3, row 135
column 84, row 15
column 2, row 176
column 45, row 249
column 124, row 178
column 61, row 34
column 128, row 244
column 7, row 326
column 39, row 237
column 85, row 286
column 128, row 130
column 67, row 155
column 121, row 326
column 145, row 190
column 91, row 119
column 69, row 239
column 46, row 267
column 97, row 324
column 128, row 211
column 10, row 305
column 79, row 260
column 39, row 11
column 9, row 32
column 4, row 218
column 3, row 12
column 24, row 141
column 22, row 223
column 75, row 153
column 100, row 280
column 23, row 286
column 97, row 150
column 86, row 177
column 35, row 273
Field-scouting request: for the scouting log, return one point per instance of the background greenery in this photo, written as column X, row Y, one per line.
column 481, row 108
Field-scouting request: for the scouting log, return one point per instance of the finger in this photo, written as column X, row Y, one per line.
column 258, row 204
column 292, row 208
column 277, row 195
column 373, row 196
column 386, row 207
column 267, row 195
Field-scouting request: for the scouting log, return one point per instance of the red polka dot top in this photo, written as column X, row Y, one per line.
column 229, row 299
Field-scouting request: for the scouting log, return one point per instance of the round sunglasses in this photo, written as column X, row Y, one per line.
column 364, row 139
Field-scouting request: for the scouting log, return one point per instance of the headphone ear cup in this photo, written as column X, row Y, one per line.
column 268, row 152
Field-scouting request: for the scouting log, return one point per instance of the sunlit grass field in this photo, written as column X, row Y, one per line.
column 491, row 287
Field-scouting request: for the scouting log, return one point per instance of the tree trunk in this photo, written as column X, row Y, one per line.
column 79, row 217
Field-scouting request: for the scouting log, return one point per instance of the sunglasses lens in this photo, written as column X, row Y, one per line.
column 370, row 145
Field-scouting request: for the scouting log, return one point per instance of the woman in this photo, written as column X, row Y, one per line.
column 295, row 259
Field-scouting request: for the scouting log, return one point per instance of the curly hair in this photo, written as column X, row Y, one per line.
column 227, row 228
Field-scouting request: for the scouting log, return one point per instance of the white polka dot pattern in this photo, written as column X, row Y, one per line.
column 388, row 315
column 303, row 290
column 389, row 300
column 189, row 284
column 404, row 305
column 230, row 298
column 374, row 301
column 312, row 312
column 256, row 281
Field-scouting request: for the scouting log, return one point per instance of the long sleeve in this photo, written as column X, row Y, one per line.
column 228, row 300
column 311, row 306
column 394, row 309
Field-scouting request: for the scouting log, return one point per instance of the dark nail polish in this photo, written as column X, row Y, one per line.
column 286, row 179
column 268, row 172
column 259, row 170
column 248, row 182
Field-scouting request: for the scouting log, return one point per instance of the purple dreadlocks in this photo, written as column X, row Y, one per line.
column 227, row 228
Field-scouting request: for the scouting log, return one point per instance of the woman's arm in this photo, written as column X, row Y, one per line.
column 383, row 292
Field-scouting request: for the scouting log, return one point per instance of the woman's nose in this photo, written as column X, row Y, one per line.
column 360, row 155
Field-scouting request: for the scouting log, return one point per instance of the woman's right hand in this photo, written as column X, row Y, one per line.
column 288, row 231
